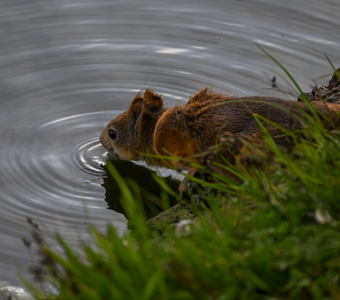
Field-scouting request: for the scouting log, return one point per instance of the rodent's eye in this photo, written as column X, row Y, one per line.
column 112, row 134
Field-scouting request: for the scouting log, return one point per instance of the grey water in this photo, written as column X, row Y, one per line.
column 67, row 67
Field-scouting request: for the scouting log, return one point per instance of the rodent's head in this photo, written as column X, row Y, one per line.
column 130, row 134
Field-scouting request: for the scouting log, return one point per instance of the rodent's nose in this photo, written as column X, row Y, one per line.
column 101, row 138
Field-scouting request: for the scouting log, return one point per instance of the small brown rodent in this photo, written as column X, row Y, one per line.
column 193, row 128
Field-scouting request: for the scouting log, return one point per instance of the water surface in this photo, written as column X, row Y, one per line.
column 68, row 67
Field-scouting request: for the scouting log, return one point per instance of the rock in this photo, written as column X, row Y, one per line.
column 335, row 80
column 172, row 215
column 330, row 93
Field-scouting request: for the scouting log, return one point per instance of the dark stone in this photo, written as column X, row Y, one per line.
column 330, row 93
column 335, row 80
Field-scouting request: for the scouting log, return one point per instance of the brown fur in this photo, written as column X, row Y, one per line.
column 193, row 128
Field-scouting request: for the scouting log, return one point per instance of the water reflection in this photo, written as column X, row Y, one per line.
column 151, row 193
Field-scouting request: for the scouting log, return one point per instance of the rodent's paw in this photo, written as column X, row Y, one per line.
column 185, row 187
column 188, row 186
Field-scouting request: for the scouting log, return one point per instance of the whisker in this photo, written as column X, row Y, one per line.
column 92, row 155
column 95, row 134
column 98, row 153
column 88, row 140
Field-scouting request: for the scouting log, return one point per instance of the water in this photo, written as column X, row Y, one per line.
column 68, row 67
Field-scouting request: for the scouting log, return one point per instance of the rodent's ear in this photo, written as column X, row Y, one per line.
column 136, row 106
column 152, row 101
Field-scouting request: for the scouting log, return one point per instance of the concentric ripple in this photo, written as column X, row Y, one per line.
column 90, row 156
column 68, row 67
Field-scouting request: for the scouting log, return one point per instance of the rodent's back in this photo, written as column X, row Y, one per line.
column 208, row 113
